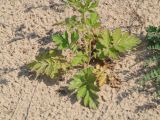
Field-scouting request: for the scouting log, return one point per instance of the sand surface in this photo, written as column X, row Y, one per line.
column 25, row 29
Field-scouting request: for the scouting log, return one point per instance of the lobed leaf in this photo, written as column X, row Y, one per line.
column 79, row 59
column 93, row 20
column 86, row 88
column 61, row 40
column 74, row 36
column 48, row 64
column 112, row 44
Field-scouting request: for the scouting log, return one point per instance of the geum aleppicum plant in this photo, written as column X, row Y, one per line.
column 88, row 41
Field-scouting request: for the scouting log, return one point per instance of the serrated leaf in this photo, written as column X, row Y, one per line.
column 88, row 2
column 71, row 22
column 86, row 99
column 115, row 43
column 112, row 53
column 57, row 38
column 92, row 104
column 93, row 20
column 81, row 92
column 80, row 58
column 61, row 40
column 116, row 35
column 48, row 64
column 106, row 39
column 75, row 84
column 88, row 89
column 93, row 4
column 151, row 29
column 74, row 36
column 65, row 36
column 153, row 35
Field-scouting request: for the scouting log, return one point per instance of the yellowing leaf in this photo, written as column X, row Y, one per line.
column 101, row 76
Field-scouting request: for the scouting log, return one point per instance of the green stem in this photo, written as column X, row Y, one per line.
column 89, row 52
column 88, row 46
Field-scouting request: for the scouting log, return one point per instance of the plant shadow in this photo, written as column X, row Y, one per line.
column 141, row 55
column 3, row 71
column 47, row 39
column 3, row 81
column 57, row 7
column 147, row 106
column 24, row 71
column 20, row 34
column 63, row 91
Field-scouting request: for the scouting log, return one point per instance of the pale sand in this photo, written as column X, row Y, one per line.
column 25, row 28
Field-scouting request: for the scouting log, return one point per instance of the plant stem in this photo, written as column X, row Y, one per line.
column 88, row 43
column 89, row 52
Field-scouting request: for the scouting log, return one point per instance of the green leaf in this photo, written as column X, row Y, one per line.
column 93, row 20
column 111, row 45
column 112, row 53
column 88, row 2
column 92, row 103
column 75, row 84
column 86, row 99
column 151, row 29
column 61, row 40
column 57, row 38
column 153, row 35
column 116, row 35
column 87, row 90
column 49, row 64
column 106, row 39
column 80, row 58
column 65, row 36
column 81, row 92
column 72, row 22
column 94, row 4
column 74, row 36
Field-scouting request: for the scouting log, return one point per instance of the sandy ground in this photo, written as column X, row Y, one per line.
column 25, row 29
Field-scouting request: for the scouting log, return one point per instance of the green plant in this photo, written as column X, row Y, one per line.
column 153, row 35
column 85, row 85
column 88, row 42
column 153, row 40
